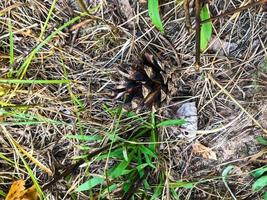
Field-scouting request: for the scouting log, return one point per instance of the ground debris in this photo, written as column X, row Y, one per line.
column 204, row 151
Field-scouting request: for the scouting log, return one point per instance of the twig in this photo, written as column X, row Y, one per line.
column 197, row 38
column 235, row 10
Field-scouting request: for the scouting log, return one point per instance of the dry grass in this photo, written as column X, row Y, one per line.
column 88, row 51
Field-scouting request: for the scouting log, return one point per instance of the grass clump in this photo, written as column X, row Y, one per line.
column 133, row 165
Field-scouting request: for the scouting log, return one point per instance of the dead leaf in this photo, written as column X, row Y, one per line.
column 204, row 151
column 18, row 191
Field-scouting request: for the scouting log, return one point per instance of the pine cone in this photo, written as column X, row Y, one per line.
column 145, row 84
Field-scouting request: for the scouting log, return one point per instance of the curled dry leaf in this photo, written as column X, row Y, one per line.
column 18, row 191
column 204, row 151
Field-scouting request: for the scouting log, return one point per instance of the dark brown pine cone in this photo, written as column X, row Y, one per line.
column 146, row 83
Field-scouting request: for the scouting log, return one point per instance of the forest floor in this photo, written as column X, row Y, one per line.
column 56, row 85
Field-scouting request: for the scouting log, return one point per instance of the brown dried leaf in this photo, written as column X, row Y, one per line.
column 17, row 191
column 204, row 151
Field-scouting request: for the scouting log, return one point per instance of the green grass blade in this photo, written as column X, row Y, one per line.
column 19, row 81
column 23, row 68
column 183, row 184
column 91, row 183
column 153, row 11
column 171, row 122
column 34, row 180
column 47, row 19
column 259, row 184
column 84, row 137
column 206, row 28
column 258, row 172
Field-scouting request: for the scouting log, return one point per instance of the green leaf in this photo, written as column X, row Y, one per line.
column 262, row 140
column 84, row 137
column 153, row 11
column 172, row 122
column 90, row 184
column 258, row 172
column 260, row 183
column 206, row 28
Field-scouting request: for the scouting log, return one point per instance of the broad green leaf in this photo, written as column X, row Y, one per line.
column 84, row 137
column 172, row 122
column 206, row 28
column 153, row 11
column 260, row 183
column 183, row 184
column 262, row 140
column 258, row 172
column 90, row 184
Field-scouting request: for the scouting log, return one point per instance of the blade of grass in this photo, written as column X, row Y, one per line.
column 11, row 48
column 171, row 122
column 23, row 68
column 47, row 19
column 206, row 29
column 90, row 184
column 84, row 137
column 153, row 11
column 19, row 81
